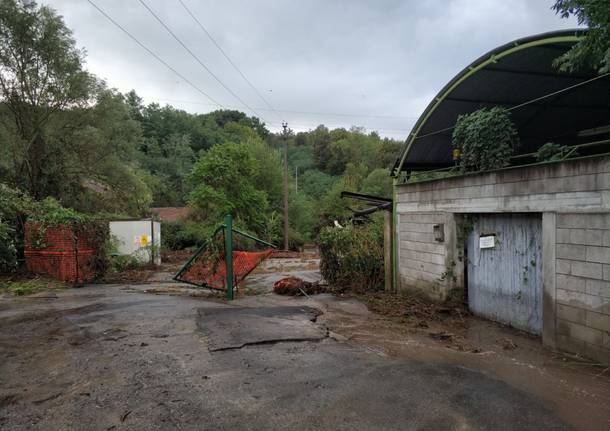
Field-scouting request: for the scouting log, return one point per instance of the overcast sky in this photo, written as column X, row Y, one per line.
column 378, row 63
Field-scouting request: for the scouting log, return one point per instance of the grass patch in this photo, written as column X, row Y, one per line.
column 27, row 286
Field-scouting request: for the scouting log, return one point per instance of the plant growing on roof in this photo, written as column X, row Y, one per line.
column 551, row 152
column 485, row 138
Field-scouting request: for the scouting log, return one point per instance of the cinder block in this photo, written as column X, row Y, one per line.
column 438, row 259
column 598, row 321
column 583, row 221
column 563, row 236
column 417, row 236
column 571, row 221
column 562, row 266
column 594, row 237
column 586, row 334
column 562, row 327
column 569, row 282
column 406, row 226
column 582, row 300
column 437, row 248
column 565, row 342
column 598, row 254
column 599, row 353
column 587, row 269
column 570, row 251
column 606, row 272
column 606, row 238
column 578, row 236
column 430, row 268
column 572, row 314
column 598, row 287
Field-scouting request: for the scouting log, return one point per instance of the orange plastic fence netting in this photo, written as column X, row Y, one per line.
column 212, row 273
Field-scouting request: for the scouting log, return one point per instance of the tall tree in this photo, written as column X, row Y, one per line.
column 41, row 74
column 593, row 51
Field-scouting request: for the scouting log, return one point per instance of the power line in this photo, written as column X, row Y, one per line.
column 337, row 114
column 132, row 37
column 371, row 128
column 529, row 102
column 197, row 58
column 202, row 27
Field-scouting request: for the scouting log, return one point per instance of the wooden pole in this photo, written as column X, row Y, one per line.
column 387, row 251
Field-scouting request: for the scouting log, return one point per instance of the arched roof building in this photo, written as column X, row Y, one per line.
column 546, row 105
column 527, row 245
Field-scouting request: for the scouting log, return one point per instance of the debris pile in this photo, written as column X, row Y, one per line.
column 418, row 311
column 295, row 286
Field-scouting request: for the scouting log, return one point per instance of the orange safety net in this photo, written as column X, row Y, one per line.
column 212, row 272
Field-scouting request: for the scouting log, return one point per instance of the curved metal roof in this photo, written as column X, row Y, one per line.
column 510, row 75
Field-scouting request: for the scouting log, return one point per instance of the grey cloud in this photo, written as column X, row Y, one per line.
column 357, row 57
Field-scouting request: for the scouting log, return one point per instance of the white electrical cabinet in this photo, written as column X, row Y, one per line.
column 138, row 238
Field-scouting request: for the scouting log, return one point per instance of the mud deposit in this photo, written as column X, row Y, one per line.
column 116, row 357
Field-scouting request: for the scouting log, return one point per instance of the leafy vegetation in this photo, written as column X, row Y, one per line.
column 29, row 286
column 594, row 50
column 353, row 256
column 73, row 151
column 485, row 138
column 551, row 152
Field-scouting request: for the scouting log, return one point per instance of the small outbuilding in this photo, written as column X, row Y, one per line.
column 138, row 238
column 529, row 244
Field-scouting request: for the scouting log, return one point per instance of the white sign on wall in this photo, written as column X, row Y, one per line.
column 488, row 241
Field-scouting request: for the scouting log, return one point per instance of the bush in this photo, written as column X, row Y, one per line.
column 14, row 205
column 352, row 257
column 485, row 138
column 8, row 251
column 180, row 235
column 551, row 152
column 96, row 231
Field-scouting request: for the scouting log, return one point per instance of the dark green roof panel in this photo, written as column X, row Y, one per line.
column 508, row 76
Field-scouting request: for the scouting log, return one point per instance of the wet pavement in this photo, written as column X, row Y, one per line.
column 163, row 356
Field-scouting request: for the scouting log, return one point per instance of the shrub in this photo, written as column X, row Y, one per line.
column 14, row 205
column 551, row 152
column 352, row 257
column 180, row 235
column 8, row 251
column 486, row 139
column 96, row 231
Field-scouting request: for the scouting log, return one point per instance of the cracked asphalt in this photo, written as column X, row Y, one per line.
column 118, row 357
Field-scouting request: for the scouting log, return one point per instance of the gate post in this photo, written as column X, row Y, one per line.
column 387, row 252
column 229, row 255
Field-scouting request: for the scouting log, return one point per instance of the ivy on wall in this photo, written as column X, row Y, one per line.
column 486, row 139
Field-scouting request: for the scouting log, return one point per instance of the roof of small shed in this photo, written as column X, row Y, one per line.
column 518, row 73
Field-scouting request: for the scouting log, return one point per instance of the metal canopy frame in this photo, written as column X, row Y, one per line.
column 506, row 66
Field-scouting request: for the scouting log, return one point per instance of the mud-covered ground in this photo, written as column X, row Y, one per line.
column 164, row 356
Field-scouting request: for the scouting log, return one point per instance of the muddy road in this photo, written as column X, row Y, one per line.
column 119, row 357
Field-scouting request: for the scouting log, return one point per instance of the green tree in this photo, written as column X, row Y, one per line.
column 91, row 164
column 41, row 75
column 222, row 179
column 593, row 51
column 316, row 183
column 378, row 183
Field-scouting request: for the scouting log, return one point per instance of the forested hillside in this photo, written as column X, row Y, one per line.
column 66, row 134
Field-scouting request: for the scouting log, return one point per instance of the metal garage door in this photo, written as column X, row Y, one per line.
column 505, row 269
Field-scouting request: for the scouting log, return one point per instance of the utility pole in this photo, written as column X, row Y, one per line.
column 284, row 126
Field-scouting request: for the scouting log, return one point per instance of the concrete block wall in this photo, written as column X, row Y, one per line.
column 428, row 265
column 583, row 284
column 574, row 199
